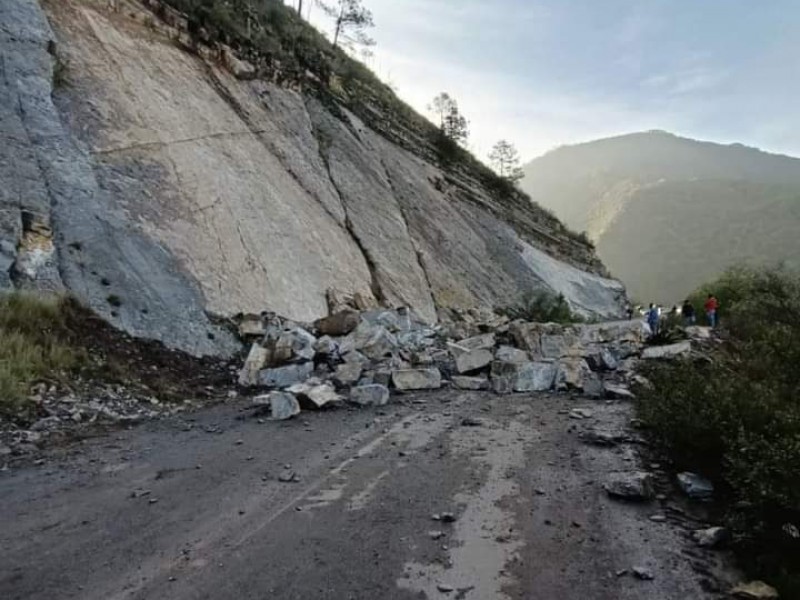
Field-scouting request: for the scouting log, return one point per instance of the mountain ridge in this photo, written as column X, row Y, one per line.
column 638, row 196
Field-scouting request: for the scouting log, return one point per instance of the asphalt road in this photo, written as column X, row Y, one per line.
column 195, row 507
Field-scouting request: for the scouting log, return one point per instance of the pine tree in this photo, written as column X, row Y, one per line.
column 505, row 160
column 351, row 21
column 452, row 124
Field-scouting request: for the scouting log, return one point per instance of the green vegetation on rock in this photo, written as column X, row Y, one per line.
column 736, row 416
column 544, row 307
column 34, row 345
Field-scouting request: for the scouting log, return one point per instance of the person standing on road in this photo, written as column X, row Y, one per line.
column 653, row 318
column 712, row 306
column 688, row 312
column 629, row 310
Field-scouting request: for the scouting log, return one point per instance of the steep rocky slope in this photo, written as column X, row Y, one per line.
column 668, row 213
column 162, row 185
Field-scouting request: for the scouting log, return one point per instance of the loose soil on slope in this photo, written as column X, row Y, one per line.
column 113, row 365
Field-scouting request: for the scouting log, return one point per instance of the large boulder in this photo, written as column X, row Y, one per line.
column 566, row 343
column 593, row 386
column 636, row 486
column 552, row 346
column 326, row 346
column 617, row 331
column 527, row 336
column 373, row 341
column 700, row 333
column 348, row 374
column 667, row 352
column 486, row 340
column 711, row 537
column 293, row 345
column 339, row 324
column 511, row 354
column 316, row 394
column 370, row 395
column 572, row 373
column 546, row 340
column 354, row 356
column 282, row 405
column 602, row 360
column 523, row 377
column 388, row 319
column 470, row 383
column 473, row 360
column 624, row 349
column 480, row 342
column 287, row 376
column 417, row 379
column 252, row 326
column 754, row 590
column 255, row 361
column 695, row 486
column 417, row 339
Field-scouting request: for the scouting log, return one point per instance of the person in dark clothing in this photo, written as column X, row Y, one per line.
column 688, row 312
column 653, row 318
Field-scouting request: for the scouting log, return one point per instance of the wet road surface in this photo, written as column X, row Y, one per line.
column 341, row 505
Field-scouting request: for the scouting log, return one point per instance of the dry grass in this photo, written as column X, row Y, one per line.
column 34, row 346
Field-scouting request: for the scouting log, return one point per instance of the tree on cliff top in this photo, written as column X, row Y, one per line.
column 452, row 124
column 505, row 160
column 351, row 21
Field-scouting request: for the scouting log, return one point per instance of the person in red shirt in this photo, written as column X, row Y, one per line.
column 711, row 306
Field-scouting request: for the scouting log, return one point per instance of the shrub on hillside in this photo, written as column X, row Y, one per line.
column 736, row 415
column 543, row 307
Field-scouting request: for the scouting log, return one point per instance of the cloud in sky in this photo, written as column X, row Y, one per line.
column 542, row 73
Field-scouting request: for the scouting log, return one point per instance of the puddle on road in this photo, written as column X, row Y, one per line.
column 483, row 541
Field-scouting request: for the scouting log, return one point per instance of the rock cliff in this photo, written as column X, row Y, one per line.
column 164, row 188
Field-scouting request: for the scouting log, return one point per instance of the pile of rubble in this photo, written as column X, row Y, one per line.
column 362, row 357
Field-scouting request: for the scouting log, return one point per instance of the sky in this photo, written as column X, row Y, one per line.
column 544, row 73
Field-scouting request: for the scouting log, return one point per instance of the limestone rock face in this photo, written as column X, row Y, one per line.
column 182, row 186
column 70, row 229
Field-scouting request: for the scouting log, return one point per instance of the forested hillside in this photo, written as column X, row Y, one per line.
column 668, row 213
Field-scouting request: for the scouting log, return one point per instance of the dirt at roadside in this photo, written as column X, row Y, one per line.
column 121, row 381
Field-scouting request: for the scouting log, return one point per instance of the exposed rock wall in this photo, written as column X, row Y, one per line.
column 174, row 188
column 50, row 184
